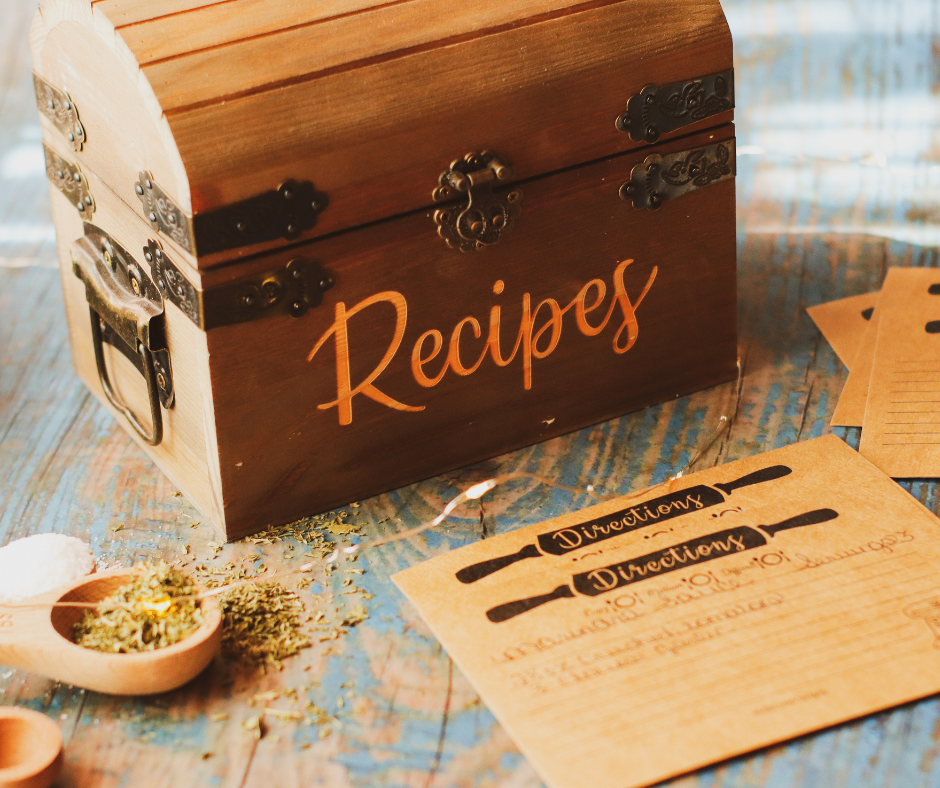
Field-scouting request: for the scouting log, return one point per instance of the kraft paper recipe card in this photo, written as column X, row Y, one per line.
column 653, row 634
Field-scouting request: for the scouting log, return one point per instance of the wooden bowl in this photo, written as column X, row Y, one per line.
column 30, row 749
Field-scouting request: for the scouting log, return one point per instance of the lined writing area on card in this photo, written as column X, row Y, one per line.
column 913, row 417
column 901, row 425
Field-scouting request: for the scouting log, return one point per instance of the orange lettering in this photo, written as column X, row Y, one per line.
column 417, row 362
column 344, row 388
column 628, row 309
column 554, row 322
column 581, row 311
column 453, row 353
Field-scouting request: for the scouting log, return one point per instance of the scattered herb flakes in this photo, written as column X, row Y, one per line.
column 220, row 717
column 253, row 726
column 261, row 697
column 324, row 732
column 148, row 618
column 119, row 527
column 205, row 756
column 285, row 714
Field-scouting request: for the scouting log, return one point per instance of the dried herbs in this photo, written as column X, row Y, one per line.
column 261, row 623
column 145, row 616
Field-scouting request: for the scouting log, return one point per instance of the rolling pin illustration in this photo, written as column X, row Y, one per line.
column 680, row 556
column 653, row 512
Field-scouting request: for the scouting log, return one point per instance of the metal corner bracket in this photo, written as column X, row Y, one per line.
column 660, row 178
column 61, row 111
column 68, row 179
column 656, row 111
column 286, row 212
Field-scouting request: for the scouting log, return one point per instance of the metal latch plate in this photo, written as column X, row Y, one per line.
column 657, row 111
column 660, row 178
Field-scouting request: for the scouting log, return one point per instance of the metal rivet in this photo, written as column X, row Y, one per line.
column 651, row 168
column 68, row 105
column 296, row 305
column 59, row 174
column 139, row 189
column 148, row 257
column 135, row 286
column 51, row 104
column 655, row 200
column 161, row 381
column 651, row 98
column 291, row 228
column 298, row 274
column 327, row 282
column 159, row 254
column 315, row 204
column 652, row 134
column 240, row 226
column 71, row 137
column 78, row 177
column 248, row 300
column 149, row 183
column 161, row 284
column 627, row 190
column 81, row 207
column 287, row 194
column 152, row 216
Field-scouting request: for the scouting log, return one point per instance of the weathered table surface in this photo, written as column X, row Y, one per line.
column 838, row 173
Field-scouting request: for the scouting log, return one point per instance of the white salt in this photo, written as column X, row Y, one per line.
column 40, row 563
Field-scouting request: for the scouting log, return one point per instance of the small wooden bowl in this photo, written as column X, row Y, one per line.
column 39, row 639
column 30, row 749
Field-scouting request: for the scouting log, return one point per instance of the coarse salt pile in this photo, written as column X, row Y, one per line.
column 40, row 563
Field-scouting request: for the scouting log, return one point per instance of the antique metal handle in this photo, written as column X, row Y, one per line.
column 155, row 434
column 487, row 217
column 126, row 310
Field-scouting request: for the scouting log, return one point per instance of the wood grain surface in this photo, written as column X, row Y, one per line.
column 838, row 175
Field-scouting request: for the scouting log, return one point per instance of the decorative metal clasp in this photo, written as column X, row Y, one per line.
column 660, row 178
column 69, row 180
column 286, row 212
column 657, row 111
column 61, row 111
column 487, row 217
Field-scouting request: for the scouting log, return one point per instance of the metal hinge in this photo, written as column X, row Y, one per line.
column 291, row 290
column 487, row 217
column 660, row 178
column 657, row 111
column 286, row 212
column 69, row 180
column 58, row 106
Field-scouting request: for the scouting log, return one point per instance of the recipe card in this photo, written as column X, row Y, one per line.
column 843, row 323
column 901, row 427
column 728, row 610
column 850, row 409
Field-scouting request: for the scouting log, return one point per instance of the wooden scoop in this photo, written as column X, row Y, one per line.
column 30, row 749
column 39, row 639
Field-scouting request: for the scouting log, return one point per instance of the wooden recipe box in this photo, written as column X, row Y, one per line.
column 315, row 251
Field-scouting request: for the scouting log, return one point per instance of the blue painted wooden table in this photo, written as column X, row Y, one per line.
column 839, row 166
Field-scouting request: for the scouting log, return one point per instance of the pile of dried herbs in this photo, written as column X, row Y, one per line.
column 260, row 623
column 145, row 616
